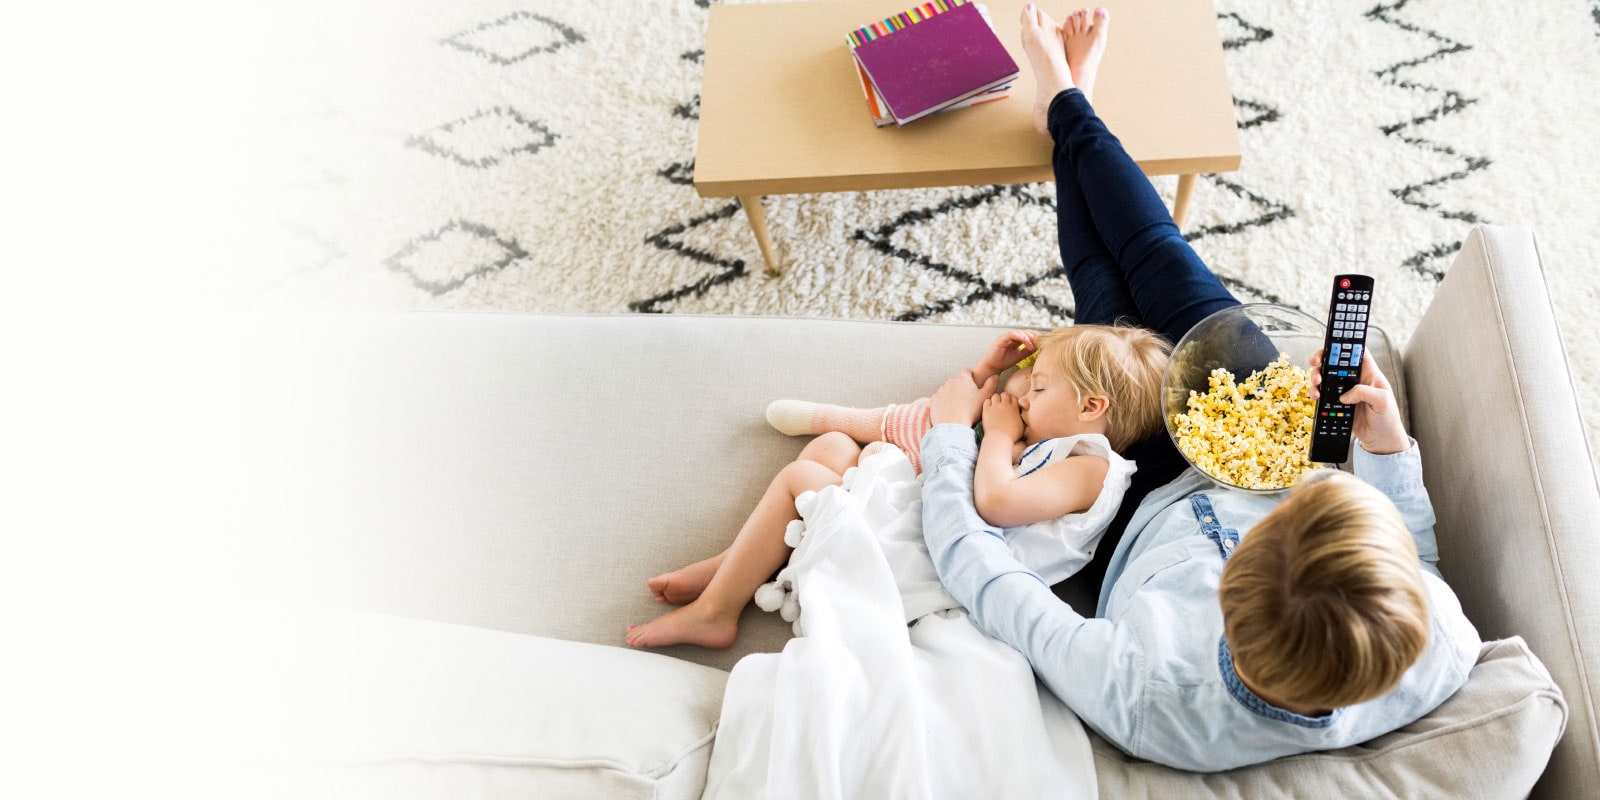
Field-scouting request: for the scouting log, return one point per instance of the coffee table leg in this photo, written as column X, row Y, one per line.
column 758, row 223
column 1180, row 204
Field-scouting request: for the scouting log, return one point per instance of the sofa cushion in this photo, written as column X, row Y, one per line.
column 1490, row 740
column 395, row 708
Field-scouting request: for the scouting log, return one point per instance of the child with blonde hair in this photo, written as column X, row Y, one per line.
column 1324, row 601
column 1108, row 372
column 1232, row 627
column 1049, row 473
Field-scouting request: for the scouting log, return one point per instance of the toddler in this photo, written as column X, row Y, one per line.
column 1047, row 471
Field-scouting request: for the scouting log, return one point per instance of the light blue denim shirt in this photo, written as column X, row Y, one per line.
column 1152, row 672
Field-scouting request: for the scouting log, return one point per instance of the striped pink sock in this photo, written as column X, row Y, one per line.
column 803, row 418
column 861, row 424
column 904, row 425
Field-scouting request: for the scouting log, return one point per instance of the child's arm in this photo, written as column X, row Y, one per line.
column 1005, row 500
column 1011, row 347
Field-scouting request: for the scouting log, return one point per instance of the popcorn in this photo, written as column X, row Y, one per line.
column 1255, row 434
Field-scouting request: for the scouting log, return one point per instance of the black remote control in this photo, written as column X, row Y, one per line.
column 1342, row 351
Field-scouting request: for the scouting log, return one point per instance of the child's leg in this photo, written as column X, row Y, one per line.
column 832, row 450
column 900, row 424
column 905, row 425
column 802, row 418
column 712, row 620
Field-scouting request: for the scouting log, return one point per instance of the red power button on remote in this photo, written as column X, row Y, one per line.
column 1344, row 284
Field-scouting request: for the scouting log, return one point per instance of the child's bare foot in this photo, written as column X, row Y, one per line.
column 683, row 585
column 1085, row 38
column 1041, row 41
column 695, row 623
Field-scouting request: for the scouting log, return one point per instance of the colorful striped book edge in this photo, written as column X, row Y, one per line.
column 901, row 21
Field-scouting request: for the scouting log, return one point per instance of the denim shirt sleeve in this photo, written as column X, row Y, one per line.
column 1094, row 666
column 1399, row 475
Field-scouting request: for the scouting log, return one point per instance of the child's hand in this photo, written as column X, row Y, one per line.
column 960, row 400
column 1006, row 351
column 1001, row 418
column 1377, row 420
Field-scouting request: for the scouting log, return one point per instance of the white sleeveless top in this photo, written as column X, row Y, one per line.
column 1057, row 548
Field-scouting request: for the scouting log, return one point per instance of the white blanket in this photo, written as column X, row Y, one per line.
column 860, row 705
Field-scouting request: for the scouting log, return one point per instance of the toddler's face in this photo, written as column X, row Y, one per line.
column 1050, row 407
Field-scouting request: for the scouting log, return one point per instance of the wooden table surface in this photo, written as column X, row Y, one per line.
column 781, row 108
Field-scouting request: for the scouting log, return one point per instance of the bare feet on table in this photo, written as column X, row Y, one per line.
column 683, row 585
column 1047, row 57
column 694, row 624
column 1085, row 34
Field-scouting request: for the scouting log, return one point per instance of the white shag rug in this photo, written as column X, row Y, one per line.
column 538, row 156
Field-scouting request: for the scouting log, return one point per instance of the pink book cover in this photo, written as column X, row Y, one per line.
column 937, row 62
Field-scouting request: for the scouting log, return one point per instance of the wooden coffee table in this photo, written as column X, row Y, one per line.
column 781, row 109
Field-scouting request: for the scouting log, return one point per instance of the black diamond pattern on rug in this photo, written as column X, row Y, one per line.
column 680, row 173
column 689, row 110
column 514, row 37
column 1238, row 33
column 1252, row 113
column 1271, row 211
column 481, row 139
column 1258, row 210
column 898, row 240
column 1431, row 259
column 672, row 240
column 442, row 260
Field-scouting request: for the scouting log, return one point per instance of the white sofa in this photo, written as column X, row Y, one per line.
column 490, row 492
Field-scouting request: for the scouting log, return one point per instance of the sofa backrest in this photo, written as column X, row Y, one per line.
column 1494, row 410
column 529, row 473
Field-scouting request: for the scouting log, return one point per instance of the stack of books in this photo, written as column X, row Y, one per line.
column 939, row 56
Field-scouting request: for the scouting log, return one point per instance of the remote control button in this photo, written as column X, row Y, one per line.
column 1355, row 353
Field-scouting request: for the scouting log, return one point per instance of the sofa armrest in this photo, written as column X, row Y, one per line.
column 1496, row 415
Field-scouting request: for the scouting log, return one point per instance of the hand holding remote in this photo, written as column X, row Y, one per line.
column 1377, row 421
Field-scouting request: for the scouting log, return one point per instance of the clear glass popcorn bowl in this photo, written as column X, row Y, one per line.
column 1252, row 437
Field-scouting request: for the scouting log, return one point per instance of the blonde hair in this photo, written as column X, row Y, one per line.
column 1122, row 363
column 1323, row 603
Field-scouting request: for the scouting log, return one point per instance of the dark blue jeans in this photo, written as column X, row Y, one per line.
column 1126, row 261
